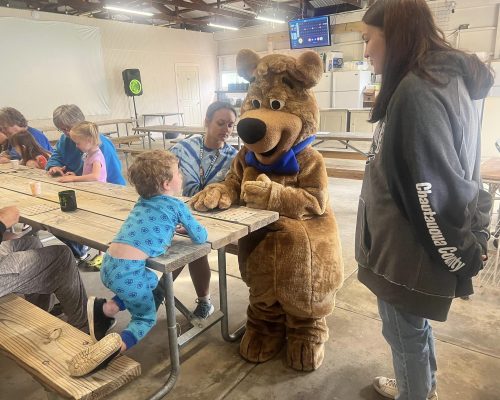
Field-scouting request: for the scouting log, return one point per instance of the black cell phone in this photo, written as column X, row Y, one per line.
column 57, row 173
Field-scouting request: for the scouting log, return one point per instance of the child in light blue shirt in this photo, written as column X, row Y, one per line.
column 146, row 232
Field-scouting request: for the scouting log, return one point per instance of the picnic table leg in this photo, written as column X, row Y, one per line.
column 230, row 337
column 172, row 338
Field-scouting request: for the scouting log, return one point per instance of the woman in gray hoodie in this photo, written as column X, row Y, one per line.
column 422, row 221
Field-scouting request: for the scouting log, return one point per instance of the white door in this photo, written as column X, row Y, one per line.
column 188, row 93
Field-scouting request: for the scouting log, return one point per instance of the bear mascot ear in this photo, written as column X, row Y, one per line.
column 308, row 69
column 246, row 63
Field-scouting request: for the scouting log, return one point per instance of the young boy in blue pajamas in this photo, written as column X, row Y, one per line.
column 146, row 232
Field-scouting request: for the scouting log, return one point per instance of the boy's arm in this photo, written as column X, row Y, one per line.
column 195, row 230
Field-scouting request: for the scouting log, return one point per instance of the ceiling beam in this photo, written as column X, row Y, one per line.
column 164, row 10
column 80, row 6
column 222, row 3
column 180, row 20
column 168, row 15
column 273, row 4
column 206, row 8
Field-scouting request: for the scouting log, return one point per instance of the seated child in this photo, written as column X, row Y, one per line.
column 32, row 154
column 146, row 232
column 86, row 137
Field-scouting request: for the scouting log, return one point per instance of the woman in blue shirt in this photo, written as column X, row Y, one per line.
column 204, row 160
column 12, row 122
column 67, row 158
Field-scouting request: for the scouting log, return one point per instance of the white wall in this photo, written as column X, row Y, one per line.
column 153, row 50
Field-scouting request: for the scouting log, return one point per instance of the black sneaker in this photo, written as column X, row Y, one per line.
column 57, row 310
column 203, row 310
column 99, row 323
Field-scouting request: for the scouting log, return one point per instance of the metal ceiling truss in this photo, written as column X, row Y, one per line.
column 170, row 12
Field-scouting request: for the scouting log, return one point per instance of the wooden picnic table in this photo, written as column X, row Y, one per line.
column 103, row 207
column 165, row 129
column 354, row 152
column 116, row 122
column 163, row 116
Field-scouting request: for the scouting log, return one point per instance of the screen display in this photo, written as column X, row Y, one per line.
column 309, row 32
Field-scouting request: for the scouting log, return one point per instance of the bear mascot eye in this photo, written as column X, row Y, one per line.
column 276, row 104
column 256, row 103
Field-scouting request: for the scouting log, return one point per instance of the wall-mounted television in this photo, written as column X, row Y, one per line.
column 309, row 32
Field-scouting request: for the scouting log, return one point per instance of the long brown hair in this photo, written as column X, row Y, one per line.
column 410, row 34
column 30, row 149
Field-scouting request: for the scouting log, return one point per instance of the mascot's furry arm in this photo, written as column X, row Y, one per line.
column 301, row 201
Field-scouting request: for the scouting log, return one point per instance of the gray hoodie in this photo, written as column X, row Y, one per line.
column 423, row 216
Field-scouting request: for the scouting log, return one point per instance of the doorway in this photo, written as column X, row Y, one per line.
column 188, row 93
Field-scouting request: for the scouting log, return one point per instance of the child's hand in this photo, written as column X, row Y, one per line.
column 69, row 174
column 56, row 171
column 181, row 230
column 66, row 178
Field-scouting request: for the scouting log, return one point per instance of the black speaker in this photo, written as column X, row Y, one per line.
column 132, row 82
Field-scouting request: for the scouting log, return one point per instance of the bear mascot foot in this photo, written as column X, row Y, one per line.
column 256, row 347
column 304, row 355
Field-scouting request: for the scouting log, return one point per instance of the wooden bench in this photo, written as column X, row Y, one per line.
column 128, row 140
column 133, row 152
column 328, row 152
column 43, row 345
column 345, row 173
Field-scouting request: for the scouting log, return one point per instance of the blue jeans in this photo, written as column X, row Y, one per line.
column 78, row 250
column 413, row 353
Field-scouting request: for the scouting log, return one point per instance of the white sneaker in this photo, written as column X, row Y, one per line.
column 388, row 387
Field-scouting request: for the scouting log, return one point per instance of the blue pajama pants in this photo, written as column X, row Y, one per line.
column 133, row 285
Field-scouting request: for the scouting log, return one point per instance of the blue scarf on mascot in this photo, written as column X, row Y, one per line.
column 286, row 165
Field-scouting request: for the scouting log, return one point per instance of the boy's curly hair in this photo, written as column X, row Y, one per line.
column 150, row 170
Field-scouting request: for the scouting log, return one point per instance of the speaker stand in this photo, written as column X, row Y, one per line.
column 135, row 112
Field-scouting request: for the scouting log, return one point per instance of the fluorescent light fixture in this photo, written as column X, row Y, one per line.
column 126, row 10
column 274, row 20
column 232, row 28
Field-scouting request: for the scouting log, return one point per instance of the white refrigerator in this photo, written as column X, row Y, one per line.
column 323, row 91
column 347, row 88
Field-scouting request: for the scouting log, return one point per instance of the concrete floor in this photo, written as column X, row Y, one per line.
column 467, row 345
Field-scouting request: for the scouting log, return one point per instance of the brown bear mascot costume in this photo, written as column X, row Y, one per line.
column 292, row 267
